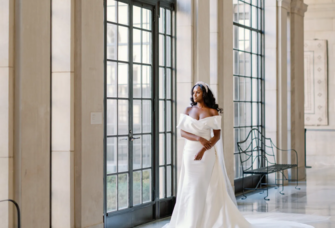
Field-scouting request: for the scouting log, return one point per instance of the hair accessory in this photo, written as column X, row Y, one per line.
column 203, row 84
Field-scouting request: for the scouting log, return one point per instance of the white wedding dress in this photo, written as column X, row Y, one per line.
column 204, row 199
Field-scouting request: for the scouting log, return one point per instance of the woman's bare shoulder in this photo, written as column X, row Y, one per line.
column 213, row 112
column 187, row 110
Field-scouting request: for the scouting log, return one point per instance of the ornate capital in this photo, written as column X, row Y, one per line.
column 298, row 7
column 286, row 4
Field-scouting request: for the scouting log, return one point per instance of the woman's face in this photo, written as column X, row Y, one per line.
column 197, row 94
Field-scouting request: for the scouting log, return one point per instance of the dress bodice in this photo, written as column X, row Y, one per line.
column 202, row 127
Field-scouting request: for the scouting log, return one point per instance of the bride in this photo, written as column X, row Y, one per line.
column 205, row 198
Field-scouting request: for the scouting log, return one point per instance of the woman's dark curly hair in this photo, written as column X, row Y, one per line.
column 208, row 97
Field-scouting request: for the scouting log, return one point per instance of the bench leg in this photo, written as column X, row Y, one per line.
column 244, row 196
column 296, row 187
column 267, row 189
column 282, row 183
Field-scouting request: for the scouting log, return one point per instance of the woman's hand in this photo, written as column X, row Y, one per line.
column 205, row 143
column 200, row 154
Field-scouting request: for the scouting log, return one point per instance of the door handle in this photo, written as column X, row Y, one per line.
column 133, row 138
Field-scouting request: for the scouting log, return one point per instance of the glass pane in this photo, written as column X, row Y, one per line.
column 162, row 21
column 161, row 149
column 242, row 89
column 111, row 193
column 111, row 117
column 146, row 156
column 123, row 154
column 236, row 139
column 146, row 81
column 254, row 42
column 146, row 47
column 241, row 63
column 247, row 89
column 137, row 153
column 254, row 114
column 147, row 109
column 168, row 83
column 146, row 19
column 123, row 79
column 236, row 114
column 168, row 51
column 123, row 190
column 241, row 38
column 168, row 148
column 247, row 64
column 137, row 187
column 242, row 112
column 235, row 37
column 161, row 116
column 111, row 155
column 111, row 41
column 254, row 66
column 236, row 88
column 136, row 81
column 168, row 116
column 137, row 120
column 123, row 117
column 136, row 17
column 168, row 181
column 161, row 83
column 146, row 185
column 254, row 17
column 137, row 45
column 123, row 43
column 111, row 79
column 161, row 50
column 123, row 13
column 255, row 90
column 248, row 114
column 168, row 22
column 161, row 182
column 111, row 10
column 236, row 62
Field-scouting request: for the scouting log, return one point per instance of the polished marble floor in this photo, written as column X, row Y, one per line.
column 316, row 197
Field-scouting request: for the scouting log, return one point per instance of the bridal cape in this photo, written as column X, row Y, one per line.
column 205, row 198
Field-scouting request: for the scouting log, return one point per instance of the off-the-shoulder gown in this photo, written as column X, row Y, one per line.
column 204, row 197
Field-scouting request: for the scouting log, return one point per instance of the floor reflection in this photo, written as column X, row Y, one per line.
column 317, row 197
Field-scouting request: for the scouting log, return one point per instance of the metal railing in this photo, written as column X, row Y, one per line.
column 17, row 209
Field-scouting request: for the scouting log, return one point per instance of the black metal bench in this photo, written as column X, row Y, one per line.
column 257, row 156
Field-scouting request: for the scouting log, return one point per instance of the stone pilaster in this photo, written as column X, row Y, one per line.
column 6, row 111
column 32, row 111
column 283, row 9
column 298, row 9
column 88, row 98
column 201, row 42
column 225, row 82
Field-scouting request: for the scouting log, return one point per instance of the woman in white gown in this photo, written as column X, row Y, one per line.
column 205, row 198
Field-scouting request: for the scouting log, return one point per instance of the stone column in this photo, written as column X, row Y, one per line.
column 32, row 111
column 225, row 81
column 6, row 111
column 283, row 8
column 201, row 42
column 89, row 98
column 62, row 144
column 298, row 9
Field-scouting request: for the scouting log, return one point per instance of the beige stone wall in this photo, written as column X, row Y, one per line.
column 320, row 24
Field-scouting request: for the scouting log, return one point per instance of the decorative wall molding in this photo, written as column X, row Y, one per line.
column 316, row 82
column 286, row 4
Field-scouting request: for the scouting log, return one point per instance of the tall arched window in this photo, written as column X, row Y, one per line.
column 248, row 70
column 139, row 111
